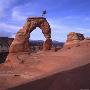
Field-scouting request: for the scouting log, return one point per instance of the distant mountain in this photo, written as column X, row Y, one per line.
column 36, row 45
column 40, row 42
column 57, row 43
column 5, row 43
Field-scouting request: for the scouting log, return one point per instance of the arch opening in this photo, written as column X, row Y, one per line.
column 36, row 40
column 36, row 34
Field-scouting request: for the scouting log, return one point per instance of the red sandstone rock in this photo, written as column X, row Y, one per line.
column 47, row 44
column 42, row 65
column 21, row 41
column 73, row 39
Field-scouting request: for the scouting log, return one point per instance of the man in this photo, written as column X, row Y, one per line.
column 44, row 12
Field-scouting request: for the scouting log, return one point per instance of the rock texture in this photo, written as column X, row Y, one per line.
column 21, row 41
column 73, row 39
column 47, row 44
column 31, row 74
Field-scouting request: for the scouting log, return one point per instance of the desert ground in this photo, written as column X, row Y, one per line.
column 65, row 69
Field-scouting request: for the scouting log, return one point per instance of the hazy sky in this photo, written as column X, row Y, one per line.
column 63, row 15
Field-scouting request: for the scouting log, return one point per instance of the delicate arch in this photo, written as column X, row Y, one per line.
column 21, row 41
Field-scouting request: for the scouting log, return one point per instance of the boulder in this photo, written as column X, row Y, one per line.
column 73, row 39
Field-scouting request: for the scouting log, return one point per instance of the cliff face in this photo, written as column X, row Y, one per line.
column 3, row 56
column 5, row 43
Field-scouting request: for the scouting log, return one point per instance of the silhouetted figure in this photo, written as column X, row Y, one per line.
column 44, row 12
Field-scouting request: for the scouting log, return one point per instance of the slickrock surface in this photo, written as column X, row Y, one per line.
column 33, row 67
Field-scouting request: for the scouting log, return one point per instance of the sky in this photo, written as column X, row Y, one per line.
column 64, row 16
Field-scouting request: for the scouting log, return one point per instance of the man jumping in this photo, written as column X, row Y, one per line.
column 43, row 13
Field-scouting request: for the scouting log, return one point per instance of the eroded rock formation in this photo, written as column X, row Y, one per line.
column 21, row 41
column 73, row 39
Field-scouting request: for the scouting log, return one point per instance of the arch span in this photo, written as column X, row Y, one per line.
column 21, row 41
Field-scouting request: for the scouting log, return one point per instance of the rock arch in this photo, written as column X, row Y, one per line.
column 21, row 41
